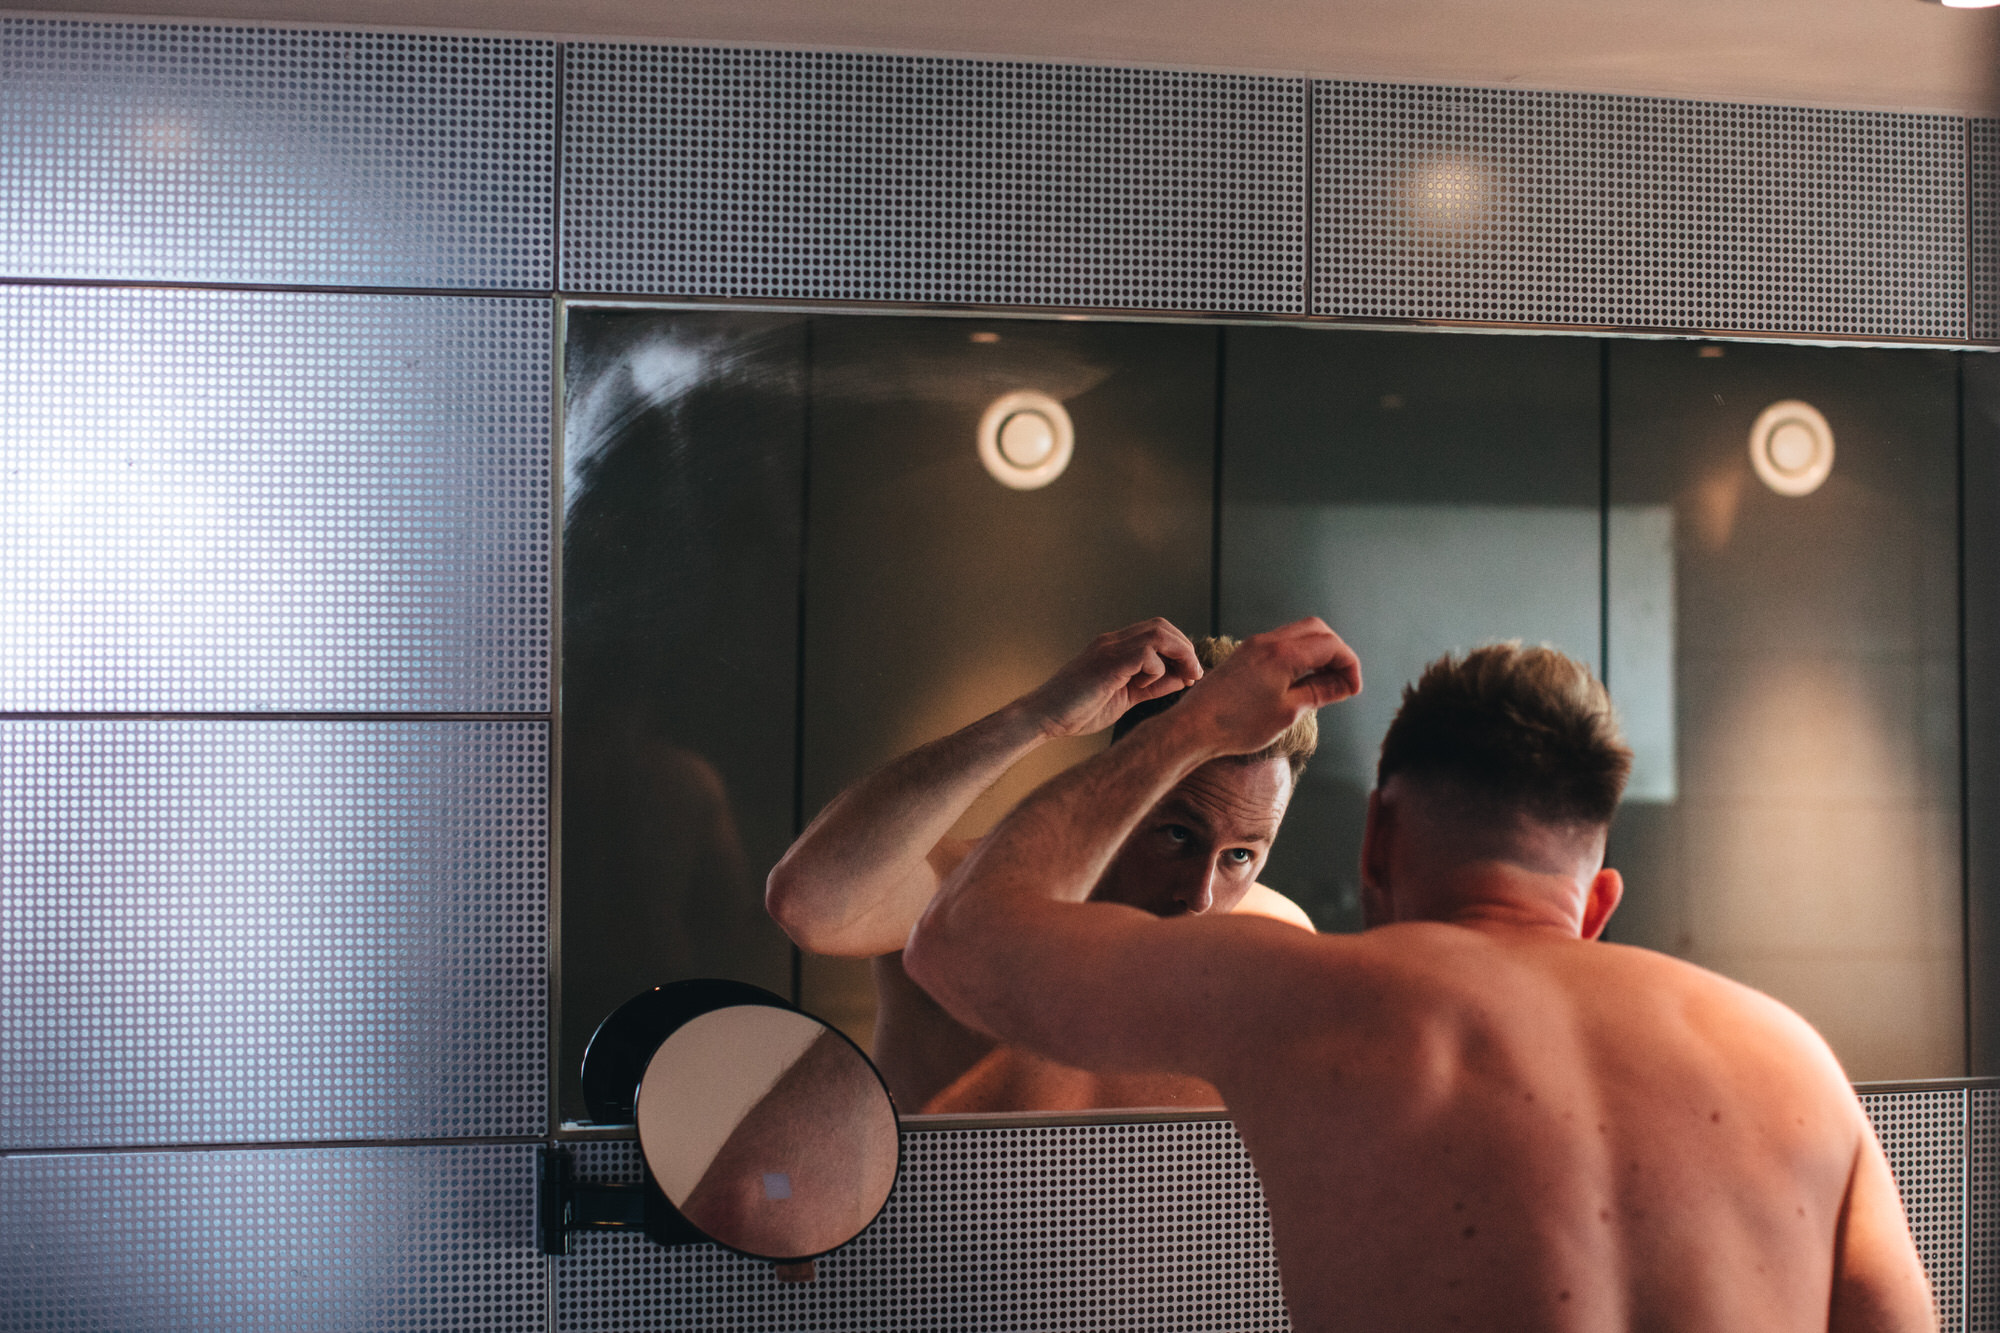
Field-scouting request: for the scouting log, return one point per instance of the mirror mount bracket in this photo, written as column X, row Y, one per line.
column 565, row 1206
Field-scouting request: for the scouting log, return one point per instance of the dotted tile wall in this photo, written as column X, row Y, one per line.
column 329, row 1239
column 182, row 153
column 711, row 172
column 1985, row 154
column 1154, row 1226
column 1564, row 208
column 1982, row 1247
column 246, row 501
column 1923, row 1135
column 261, row 931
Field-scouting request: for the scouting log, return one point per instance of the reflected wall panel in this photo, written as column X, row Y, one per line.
column 1807, row 842
column 934, row 594
column 244, row 501
column 1574, row 208
column 685, row 451
column 388, row 1239
column 714, row 172
column 181, row 153
column 1155, row 1226
column 1982, row 707
column 217, row 932
column 1422, row 494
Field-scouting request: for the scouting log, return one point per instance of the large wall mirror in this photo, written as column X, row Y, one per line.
column 785, row 563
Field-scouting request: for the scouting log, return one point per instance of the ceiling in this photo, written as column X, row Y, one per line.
column 1902, row 55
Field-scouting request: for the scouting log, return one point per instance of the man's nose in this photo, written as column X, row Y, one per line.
column 1196, row 893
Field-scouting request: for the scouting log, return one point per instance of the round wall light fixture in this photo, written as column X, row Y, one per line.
column 1791, row 446
column 1025, row 440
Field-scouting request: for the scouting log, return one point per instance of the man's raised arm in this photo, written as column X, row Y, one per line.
column 1011, row 947
column 863, row 871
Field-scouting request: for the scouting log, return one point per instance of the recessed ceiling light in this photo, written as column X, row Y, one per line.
column 1966, row 4
column 1025, row 440
column 1791, row 447
column 985, row 336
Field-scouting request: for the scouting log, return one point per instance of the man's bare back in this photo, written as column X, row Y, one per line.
column 1560, row 1135
column 1474, row 1114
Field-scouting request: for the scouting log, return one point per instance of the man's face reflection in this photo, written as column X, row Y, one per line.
column 1201, row 848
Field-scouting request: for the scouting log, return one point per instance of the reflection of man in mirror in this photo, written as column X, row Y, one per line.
column 857, row 880
column 1474, row 1114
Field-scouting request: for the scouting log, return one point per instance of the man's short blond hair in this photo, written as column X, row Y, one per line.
column 1527, row 731
column 1294, row 747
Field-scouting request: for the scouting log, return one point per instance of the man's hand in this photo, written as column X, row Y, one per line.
column 1119, row 669
column 1268, row 684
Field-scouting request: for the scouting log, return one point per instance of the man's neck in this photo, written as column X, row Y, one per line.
column 1504, row 896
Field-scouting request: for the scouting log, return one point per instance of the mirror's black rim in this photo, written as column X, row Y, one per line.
column 615, row 1058
column 624, row 1044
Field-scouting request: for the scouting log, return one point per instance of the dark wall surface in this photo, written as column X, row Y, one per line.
column 1421, row 493
column 1982, row 709
column 1807, row 842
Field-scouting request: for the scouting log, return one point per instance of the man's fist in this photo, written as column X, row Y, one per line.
column 1119, row 669
column 1269, row 682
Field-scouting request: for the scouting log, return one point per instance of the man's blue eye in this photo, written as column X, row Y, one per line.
column 1242, row 856
column 1178, row 832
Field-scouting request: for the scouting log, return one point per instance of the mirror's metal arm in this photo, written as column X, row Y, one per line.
column 564, row 1207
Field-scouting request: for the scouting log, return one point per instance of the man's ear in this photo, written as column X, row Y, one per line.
column 1607, row 888
column 1376, row 907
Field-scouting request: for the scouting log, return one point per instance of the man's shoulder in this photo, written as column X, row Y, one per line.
column 1728, row 1010
column 1264, row 901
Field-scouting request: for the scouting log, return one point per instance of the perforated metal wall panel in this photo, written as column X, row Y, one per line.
column 1923, row 1135
column 1568, row 208
column 384, row 1239
column 245, row 501
column 255, row 931
column 1154, row 1226
column 185, row 153
column 696, row 171
column 1982, row 1242
column 1985, row 153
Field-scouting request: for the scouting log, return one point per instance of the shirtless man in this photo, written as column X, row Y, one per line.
column 1473, row 1115
column 855, row 882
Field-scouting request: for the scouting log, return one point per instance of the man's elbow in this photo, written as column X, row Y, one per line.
column 790, row 901
column 816, row 919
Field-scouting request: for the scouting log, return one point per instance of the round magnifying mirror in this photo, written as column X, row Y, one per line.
column 764, row 1129
column 769, row 1131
